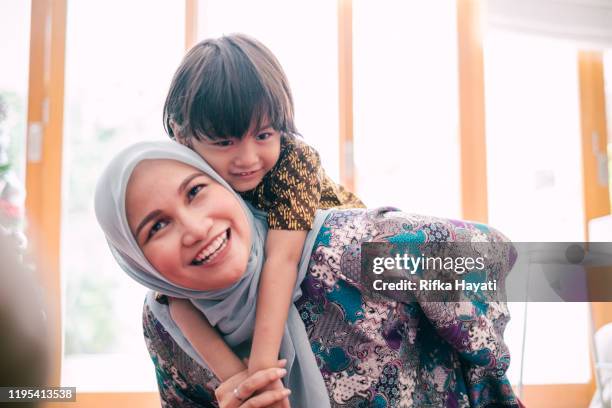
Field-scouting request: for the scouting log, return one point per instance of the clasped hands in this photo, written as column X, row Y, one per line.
column 260, row 389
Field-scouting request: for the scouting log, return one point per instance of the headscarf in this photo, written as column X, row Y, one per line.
column 231, row 310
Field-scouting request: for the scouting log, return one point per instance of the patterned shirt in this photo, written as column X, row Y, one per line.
column 376, row 350
column 296, row 187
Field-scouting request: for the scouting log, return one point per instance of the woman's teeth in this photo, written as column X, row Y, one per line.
column 212, row 250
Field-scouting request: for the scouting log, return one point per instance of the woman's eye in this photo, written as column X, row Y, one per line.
column 193, row 191
column 158, row 225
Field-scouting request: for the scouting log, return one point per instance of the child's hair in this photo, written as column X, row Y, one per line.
column 222, row 85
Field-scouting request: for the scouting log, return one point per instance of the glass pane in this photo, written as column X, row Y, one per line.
column 303, row 36
column 116, row 82
column 406, row 105
column 535, row 187
column 15, row 45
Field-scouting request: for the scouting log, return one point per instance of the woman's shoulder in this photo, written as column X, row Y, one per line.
column 346, row 229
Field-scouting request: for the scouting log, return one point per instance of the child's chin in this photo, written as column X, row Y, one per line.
column 243, row 187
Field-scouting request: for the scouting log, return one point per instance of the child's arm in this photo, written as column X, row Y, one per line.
column 283, row 252
column 205, row 339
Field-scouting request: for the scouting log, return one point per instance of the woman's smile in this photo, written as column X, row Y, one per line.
column 215, row 251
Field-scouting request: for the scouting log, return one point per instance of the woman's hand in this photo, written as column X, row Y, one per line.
column 252, row 391
column 272, row 387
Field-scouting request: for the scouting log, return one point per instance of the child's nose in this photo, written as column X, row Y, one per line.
column 246, row 156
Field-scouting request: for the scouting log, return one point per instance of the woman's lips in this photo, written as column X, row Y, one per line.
column 217, row 255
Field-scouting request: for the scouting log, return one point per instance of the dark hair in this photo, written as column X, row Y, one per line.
column 222, row 85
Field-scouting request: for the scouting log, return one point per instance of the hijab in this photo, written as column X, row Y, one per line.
column 231, row 310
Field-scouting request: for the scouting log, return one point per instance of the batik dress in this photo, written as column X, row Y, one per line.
column 375, row 351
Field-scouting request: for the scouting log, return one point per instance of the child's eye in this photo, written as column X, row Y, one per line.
column 224, row 143
column 193, row 192
column 263, row 136
column 158, row 225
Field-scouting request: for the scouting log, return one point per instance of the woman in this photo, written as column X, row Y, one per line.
column 369, row 350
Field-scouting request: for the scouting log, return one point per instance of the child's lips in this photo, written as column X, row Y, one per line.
column 246, row 174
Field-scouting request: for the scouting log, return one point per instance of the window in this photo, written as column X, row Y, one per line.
column 303, row 36
column 406, row 106
column 116, row 83
column 535, row 187
column 14, row 43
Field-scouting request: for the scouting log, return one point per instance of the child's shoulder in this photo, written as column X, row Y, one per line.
column 295, row 152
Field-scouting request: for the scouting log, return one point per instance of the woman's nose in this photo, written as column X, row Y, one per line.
column 195, row 229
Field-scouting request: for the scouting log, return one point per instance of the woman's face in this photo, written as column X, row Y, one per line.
column 189, row 227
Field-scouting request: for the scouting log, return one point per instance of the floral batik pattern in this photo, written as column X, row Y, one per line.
column 376, row 351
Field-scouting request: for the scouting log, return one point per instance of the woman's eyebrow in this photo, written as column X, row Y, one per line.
column 152, row 215
column 187, row 180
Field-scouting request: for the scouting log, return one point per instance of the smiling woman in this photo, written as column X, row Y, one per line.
column 343, row 345
column 196, row 236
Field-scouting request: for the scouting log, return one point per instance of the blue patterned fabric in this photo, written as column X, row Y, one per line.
column 376, row 351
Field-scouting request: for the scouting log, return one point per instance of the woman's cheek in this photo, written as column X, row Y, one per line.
column 163, row 260
column 233, row 275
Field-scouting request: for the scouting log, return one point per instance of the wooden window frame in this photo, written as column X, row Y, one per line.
column 596, row 197
column 345, row 93
column 44, row 158
column 474, row 165
column 472, row 137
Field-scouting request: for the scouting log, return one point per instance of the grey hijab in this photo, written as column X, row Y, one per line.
column 230, row 310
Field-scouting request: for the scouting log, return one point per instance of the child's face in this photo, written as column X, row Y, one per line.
column 242, row 162
column 189, row 227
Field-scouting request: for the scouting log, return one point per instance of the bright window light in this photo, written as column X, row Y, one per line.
column 535, row 188
column 120, row 58
column 405, row 87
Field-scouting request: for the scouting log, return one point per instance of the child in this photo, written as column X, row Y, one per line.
column 230, row 102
